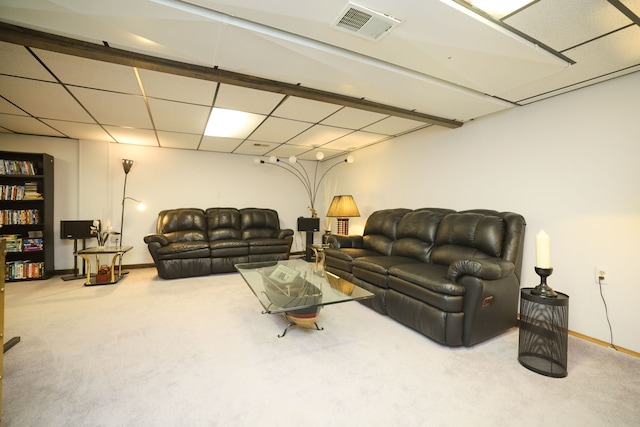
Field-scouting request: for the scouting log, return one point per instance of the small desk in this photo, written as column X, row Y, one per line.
column 116, row 251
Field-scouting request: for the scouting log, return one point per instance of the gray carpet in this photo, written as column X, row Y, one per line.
column 198, row 352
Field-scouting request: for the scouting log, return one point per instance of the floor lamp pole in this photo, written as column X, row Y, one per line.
column 126, row 165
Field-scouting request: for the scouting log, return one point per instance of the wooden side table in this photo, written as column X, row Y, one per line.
column 544, row 327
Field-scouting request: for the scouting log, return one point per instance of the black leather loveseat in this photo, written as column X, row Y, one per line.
column 195, row 242
column 452, row 276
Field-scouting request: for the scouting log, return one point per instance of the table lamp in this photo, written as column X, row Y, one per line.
column 343, row 207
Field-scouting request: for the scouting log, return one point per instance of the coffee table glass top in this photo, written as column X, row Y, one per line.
column 284, row 286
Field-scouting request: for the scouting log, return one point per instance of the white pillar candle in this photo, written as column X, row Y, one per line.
column 543, row 250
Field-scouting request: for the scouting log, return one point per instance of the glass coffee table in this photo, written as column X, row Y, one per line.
column 297, row 290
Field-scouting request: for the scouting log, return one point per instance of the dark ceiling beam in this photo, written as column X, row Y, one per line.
column 625, row 10
column 51, row 42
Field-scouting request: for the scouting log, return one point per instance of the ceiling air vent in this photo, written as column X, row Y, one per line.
column 363, row 22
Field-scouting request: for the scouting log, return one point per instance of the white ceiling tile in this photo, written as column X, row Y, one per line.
column 319, row 135
column 8, row 108
column 177, row 88
column 354, row 140
column 111, row 108
column 286, row 150
column 305, row 110
column 73, row 70
column 27, row 125
column 223, row 145
column 256, row 148
column 17, row 61
column 178, row 116
column 178, row 140
column 394, row 126
column 633, row 5
column 245, row 99
column 42, row 99
column 601, row 57
column 274, row 129
column 84, row 131
column 133, row 136
column 350, row 118
column 567, row 23
column 585, row 83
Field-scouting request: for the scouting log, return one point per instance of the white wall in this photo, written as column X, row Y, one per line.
column 89, row 182
column 570, row 165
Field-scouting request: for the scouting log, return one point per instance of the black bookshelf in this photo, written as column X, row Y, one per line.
column 26, row 214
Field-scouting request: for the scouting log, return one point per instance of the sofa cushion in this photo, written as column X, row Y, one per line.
column 374, row 269
column 267, row 246
column 259, row 223
column 182, row 225
column 231, row 247
column 223, row 224
column 197, row 249
column 380, row 230
column 342, row 258
column 416, row 233
column 468, row 235
column 427, row 283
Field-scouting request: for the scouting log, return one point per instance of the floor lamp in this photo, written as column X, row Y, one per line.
column 343, row 207
column 126, row 166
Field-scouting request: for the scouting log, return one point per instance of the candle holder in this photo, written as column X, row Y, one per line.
column 543, row 289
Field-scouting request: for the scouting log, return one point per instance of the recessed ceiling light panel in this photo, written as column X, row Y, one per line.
column 232, row 123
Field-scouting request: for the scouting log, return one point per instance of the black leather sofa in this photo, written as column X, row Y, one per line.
column 452, row 276
column 194, row 242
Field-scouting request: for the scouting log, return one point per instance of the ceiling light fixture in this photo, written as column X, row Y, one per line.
column 499, row 8
column 296, row 169
column 232, row 123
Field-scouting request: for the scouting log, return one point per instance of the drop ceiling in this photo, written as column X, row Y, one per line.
column 150, row 72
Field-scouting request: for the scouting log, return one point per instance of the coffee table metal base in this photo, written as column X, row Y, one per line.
column 304, row 322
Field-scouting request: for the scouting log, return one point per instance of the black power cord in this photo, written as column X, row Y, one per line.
column 606, row 312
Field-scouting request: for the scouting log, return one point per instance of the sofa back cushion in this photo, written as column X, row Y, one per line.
column 513, row 242
column 182, row 225
column 416, row 233
column 223, row 224
column 466, row 235
column 380, row 230
column 259, row 223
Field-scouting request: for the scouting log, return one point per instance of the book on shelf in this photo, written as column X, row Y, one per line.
column 14, row 242
column 19, row 217
column 17, row 270
column 32, row 245
column 17, row 167
column 28, row 191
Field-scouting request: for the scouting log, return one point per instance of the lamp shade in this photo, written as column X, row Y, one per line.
column 343, row 207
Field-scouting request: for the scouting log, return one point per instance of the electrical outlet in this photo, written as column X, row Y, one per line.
column 601, row 275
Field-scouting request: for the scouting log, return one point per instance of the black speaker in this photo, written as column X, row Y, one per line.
column 308, row 224
column 76, row 229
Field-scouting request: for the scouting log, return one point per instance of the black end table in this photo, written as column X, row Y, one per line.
column 544, row 327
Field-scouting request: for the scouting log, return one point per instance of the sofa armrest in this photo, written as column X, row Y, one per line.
column 339, row 241
column 156, row 238
column 488, row 269
column 285, row 233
